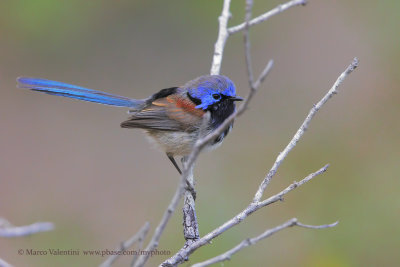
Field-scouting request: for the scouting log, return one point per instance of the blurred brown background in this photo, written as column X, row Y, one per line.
column 68, row 162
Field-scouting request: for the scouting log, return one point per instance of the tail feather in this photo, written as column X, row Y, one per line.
column 77, row 92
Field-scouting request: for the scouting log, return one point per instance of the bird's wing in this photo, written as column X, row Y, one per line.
column 170, row 113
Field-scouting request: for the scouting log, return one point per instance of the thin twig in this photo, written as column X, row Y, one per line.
column 153, row 244
column 263, row 74
column 294, row 185
column 251, row 241
column 267, row 15
column 184, row 253
column 3, row 263
column 221, row 40
column 317, row 226
column 139, row 247
column 127, row 244
column 8, row 230
column 300, row 132
column 246, row 39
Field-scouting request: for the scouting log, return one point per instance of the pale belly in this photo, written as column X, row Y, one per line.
column 174, row 143
column 179, row 143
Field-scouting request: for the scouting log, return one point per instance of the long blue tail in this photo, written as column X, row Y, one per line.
column 77, row 92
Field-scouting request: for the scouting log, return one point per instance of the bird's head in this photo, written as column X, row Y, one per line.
column 210, row 91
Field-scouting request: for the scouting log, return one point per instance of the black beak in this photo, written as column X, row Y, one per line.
column 236, row 98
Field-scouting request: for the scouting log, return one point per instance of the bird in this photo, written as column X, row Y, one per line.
column 172, row 117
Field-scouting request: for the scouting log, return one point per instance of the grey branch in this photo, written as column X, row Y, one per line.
column 190, row 224
column 251, row 241
column 184, row 253
column 140, row 235
column 266, row 15
column 153, row 244
column 300, row 132
column 291, row 187
column 139, row 246
column 8, row 230
column 224, row 32
column 3, row 263
column 246, row 39
column 221, row 40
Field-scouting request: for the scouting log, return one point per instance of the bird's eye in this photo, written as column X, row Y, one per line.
column 216, row 96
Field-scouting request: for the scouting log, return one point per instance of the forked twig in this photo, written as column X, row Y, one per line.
column 251, row 241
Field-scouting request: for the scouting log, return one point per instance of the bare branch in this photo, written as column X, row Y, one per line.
column 221, row 40
column 253, row 85
column 291, row 187
column 190, row 224
column 139, row 247
column 251, row 241
column 153, row 244
column 300, row 132
column 8, row 230
column 263, row 74
column 246, row 39
column 3, row 263
column 317, row 226
column 267, row 15
column 184, row 253
column 127, row 244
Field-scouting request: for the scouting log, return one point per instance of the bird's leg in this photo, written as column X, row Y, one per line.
column 171, row 158
column 189, row 186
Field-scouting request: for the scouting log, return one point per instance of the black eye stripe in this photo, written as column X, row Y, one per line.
column 195, row 100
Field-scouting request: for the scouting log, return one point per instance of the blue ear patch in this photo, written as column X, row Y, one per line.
column 207, row 100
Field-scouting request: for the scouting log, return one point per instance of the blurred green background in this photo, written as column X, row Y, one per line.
column 68, row 162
